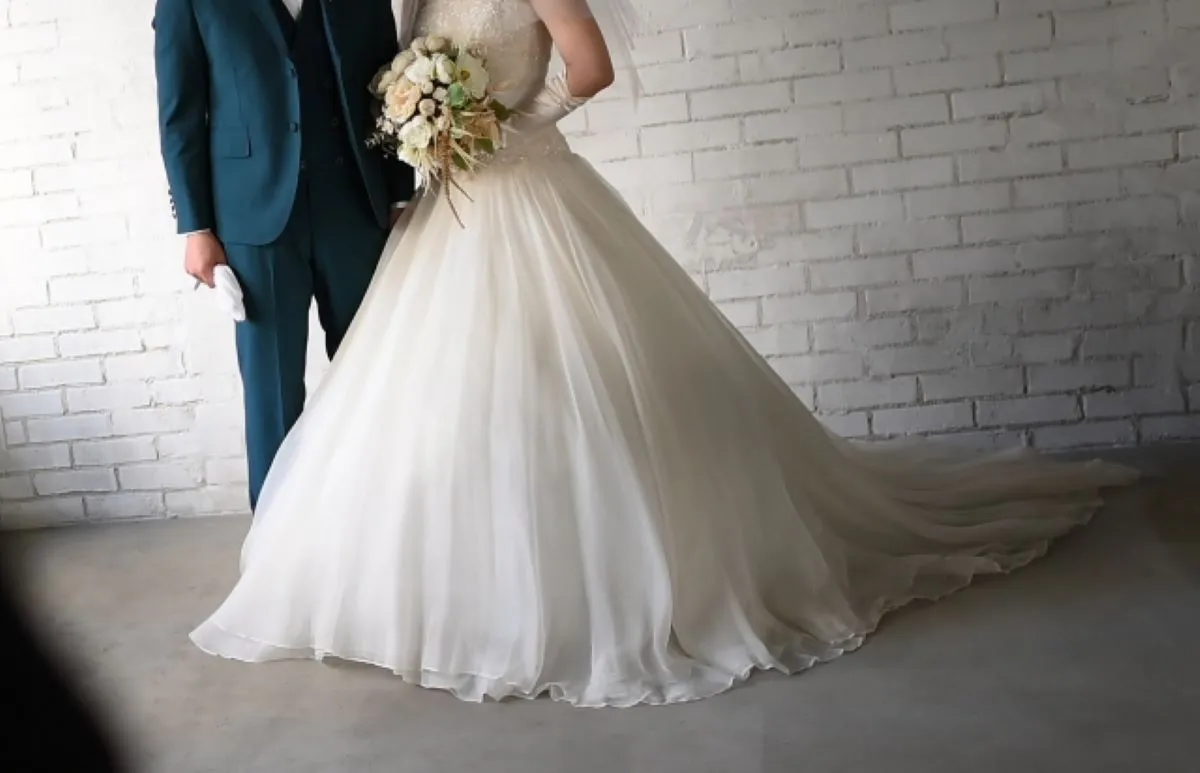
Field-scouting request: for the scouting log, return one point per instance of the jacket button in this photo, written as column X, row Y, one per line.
column 293, row 127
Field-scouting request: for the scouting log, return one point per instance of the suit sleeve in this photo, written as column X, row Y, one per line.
column 399, row 175
column 181, row 69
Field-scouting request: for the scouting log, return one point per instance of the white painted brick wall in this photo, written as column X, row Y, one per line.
column 975, row 219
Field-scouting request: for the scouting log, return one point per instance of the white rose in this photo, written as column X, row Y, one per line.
column 402, row 61
column 440, row 94
column 420, row 46
column 420, row 71
column 417, row 133
column 444, row 69
column 427, row 107
column 435, row 43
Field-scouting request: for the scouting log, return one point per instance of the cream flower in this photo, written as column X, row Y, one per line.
column 401, row 101
column 427, row 107
column 436, row 43
column 444, row 69
column 440, row 94
column 419, row 46
column 403, row 61
column 473, row 76
column 420, row 71
column 417, row 133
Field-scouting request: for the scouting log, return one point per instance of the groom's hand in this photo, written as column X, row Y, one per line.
column 202, row 255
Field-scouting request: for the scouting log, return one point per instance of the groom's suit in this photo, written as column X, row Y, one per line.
column 264, row 113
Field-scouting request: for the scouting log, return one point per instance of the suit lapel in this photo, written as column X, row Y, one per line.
column 266, row 15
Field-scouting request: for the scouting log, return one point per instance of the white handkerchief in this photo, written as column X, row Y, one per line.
column 229, row 293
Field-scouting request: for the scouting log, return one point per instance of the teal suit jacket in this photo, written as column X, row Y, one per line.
column 229, row 111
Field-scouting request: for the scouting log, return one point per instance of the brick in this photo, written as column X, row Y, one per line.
column 1144, row 18
column 106, row 398
column 43, row 512
column 1179, row 114
column 1183, row 13
column 640, row 172
column 1067, row 189
column 896, row 49
column 64, row 373
column 677, row 77
column 812, row 368
column 1057, row 62
column 1001, row 35
column 720, row 40
column 976, row 382
column 847, row 425
column 213, row 500
column 144, row 365
column 74, row 482
column 924, row 14
column 1079, row 376
column 104, row 342
column 146, row 421
column 649, row 111
column 981, row 167
column 816, row 245
column 111, row 452
column 159, row 476
column 115, row 507
column 911, row 360
column 1013, row 226
column 701, row 135
column 909, row 236
column 798, row 186
column 742, row 162
column 922, row 419
column 59, row 429
column 40, row 457
column 914, row 297
column 1146, row 212
column 793, row 124
column 1027, row 410
column 1170, row 428
column 16, row 185
column 1043, row 348
column 740, row 100
column 974, row 261
column 951, row 75
column 881, row 114
column 841, row 87
column 1026, row 7
column 14, row 433
column 26, row 349
column 959, row 200
column 1106, row 434
column 752, row 282
column 898, row 175
column 91, row 287
column 848, row 149
column 867, row 394
column 780, row 340
column 790, row 63
column 1136, row 340
column 16, row 487
column 853, row 211
column 1120, row 151
column 1008, row 100
column 836, row 25
column 1044, row 284
column 35, row 153
column 24, row 404
column 54, row 319
column 859, row 273
column 1133, row 402
column 861, row 334
column 606, row 147
column 742, row 314
column 811, row 306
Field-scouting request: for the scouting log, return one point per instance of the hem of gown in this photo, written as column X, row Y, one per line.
column 473, row 687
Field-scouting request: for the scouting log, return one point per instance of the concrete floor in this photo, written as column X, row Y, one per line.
column 1086, row 661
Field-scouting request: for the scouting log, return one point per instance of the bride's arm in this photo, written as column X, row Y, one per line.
column 580, row 43
column 589, row 67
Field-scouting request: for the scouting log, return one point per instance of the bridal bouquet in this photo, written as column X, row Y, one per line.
column 435, row 109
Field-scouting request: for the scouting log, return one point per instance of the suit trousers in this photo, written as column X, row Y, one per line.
column 328, row 252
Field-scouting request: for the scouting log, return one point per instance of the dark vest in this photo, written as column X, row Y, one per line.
column 324, row 141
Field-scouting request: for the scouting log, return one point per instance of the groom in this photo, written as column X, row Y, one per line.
column 263, row 115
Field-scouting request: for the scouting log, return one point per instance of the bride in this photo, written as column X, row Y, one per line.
column 544, row 462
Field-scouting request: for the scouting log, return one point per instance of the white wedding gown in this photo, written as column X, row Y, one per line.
column 544, row 462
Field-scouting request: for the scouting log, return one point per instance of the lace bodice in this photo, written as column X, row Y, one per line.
column 518, row 50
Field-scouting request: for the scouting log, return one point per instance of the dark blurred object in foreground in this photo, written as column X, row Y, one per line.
column 47, row 725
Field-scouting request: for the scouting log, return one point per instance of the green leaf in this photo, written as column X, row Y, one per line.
column 461, row 163
column 486, row 145
column 501, row 111
column 457, row 96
